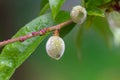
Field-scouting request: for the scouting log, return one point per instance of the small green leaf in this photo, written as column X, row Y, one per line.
column 14, row 54
column 95, row 3
column 95, row 12
column 92, row 7
column 55, row 6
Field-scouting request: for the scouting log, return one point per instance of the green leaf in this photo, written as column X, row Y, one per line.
column 102, row 27
column 95, row 3
column 43, row 3
column 13, row 55
column 82, row 2
column 55, row 6
column 92, row 7
column 95, row 12
column 89, row 21
column 81, row 31
column 44, row 9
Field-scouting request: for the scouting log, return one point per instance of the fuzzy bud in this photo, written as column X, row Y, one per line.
column 78, row 14
column 55, row 47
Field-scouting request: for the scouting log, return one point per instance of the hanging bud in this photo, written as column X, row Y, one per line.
column 78, row 14
column 55, row 47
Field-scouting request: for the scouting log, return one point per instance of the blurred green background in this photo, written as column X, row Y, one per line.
column 95, row 61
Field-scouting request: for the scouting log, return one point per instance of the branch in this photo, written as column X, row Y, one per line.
column 106, row 5
column 113, row 5
column 33, row 34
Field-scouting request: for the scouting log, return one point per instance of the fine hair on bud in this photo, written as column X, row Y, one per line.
column 78, row 14
column 55, row 47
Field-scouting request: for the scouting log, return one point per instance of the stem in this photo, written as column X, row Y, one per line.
column 56, row 32
column 113, row 5
column 33, row 34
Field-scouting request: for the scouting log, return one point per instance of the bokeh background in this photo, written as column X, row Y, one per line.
column 95, row 61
